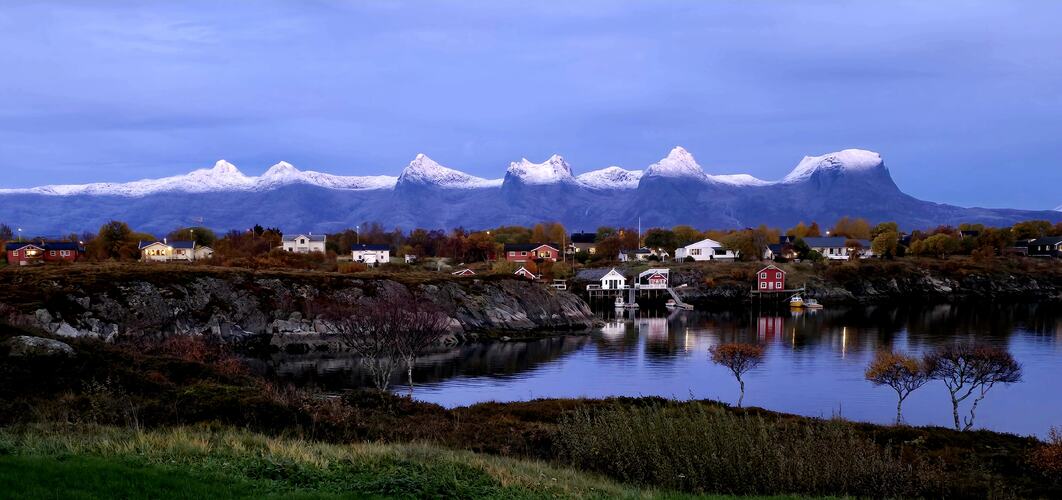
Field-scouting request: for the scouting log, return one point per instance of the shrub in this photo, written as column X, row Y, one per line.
column 702, row 449
column 1047, row 458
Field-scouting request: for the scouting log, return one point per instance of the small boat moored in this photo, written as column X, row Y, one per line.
column 812, row 304
column 796, row 301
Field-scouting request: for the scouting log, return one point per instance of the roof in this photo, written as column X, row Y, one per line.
column 705, row 243
column 1049, row 240
column 18, row 245
column 171, row 244
column 525, row 247
column 584, row 237
column 593, row 274
column 775, row 247
column 636, row 252
column 832, row 242
column 363, row 247
column 182, row 244
column 772, row 266
column 311, row 237
column 63, row 245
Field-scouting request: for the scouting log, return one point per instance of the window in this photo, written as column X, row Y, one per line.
column 523, row 254
column 695, row 251
column 763, row 276
column 14, row 253
column 763, row 284
column 512, row 253
column 51, row 253
column 778, row 285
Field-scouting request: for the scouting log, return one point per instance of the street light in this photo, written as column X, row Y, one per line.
column 20, row 235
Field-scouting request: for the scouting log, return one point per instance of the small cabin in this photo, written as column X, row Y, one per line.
column 770, row 279
column 656, row 278
column 371, row 255
column 532, row 251
column 524, row 273
column 613, row 280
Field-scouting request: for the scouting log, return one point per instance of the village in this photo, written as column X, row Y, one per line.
column 619, row 266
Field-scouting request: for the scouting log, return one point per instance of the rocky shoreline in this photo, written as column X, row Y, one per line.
column 271, row 310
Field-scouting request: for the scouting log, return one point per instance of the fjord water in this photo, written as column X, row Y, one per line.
column 814, row 362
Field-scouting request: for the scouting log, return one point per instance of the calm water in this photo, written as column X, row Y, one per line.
column 814, row 364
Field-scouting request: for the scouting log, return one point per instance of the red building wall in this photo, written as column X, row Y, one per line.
column 770, row 279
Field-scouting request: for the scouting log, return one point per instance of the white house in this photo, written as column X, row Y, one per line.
column 642, row 254
column 163, row 251
column 613, row 280
column 371, row 254
column 706, row 249
column 304, row 243
column 836, row 247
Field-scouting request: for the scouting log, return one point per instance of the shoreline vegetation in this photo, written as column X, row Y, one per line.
column 185, row 409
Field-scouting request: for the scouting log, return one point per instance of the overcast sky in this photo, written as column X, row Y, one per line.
column 963, row 99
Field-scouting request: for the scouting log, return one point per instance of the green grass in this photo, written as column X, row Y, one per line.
column 184, row 462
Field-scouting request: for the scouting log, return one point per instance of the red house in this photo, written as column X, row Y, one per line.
column 532, row 251
column 770, row 279
column 26, row 253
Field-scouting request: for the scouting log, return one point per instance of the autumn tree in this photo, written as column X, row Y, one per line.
column 739, row 359
column 904, row 374
column 857, row 229
column 538, row 233
column 798, row 231
column 1031, row 229
column 685, row 235
column 970, row 370
column 202, row 236
column 938, row 245
column 660, row 238
column 884, row 227
column 885, row 244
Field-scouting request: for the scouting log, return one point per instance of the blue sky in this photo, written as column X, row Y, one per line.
column 963, row 99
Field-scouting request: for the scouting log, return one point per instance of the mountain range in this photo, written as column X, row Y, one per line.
column 674, row 190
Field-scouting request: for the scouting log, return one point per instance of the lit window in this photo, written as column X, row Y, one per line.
column 14, row 253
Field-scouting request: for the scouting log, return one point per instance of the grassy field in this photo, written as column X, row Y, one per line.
column 187, row 462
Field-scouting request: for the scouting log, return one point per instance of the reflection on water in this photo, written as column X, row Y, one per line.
column 814, row 363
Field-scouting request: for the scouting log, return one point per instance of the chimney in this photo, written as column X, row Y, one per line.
column 164, row 241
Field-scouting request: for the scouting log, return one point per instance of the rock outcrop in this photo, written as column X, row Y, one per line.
column 277, row 308
column 25, row 346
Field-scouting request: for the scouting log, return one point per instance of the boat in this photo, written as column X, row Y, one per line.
column 619, row 303
column 796, row 301
column 812, row 304
column 670, row 304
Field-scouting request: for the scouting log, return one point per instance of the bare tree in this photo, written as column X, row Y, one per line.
column 422, row 325
column 368, row 329
column 739, row 358
column 969, row 370
column 903, row 373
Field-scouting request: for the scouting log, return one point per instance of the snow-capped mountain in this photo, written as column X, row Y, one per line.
column 284, row 173
column 424, row 171
column 847, row 161
column 610, row 178
column 674, row 190
column 224, row 176
column 552, row 171
column 1058, row 208
column 677, row 163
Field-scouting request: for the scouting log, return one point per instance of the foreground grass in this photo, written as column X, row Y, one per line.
column 199, row 462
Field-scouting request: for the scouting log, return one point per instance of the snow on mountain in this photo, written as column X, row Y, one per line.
column 552, row 171
column 610, row 178
column 849, row 160
column 1059, row 208
column 224, row 176
column 743, row 180
column 284, row 173
column 425, row 171
column 677, row 163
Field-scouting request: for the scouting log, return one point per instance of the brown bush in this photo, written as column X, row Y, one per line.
column 1047, row 458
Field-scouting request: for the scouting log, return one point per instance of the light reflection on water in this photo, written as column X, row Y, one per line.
column 814, row 364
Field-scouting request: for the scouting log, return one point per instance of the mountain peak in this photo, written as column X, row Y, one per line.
column 846, row 161
column 427, row 172
column 281, row 169
column 551, row 171
column 224, row 167
column 677, row 163
column 610, row 178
